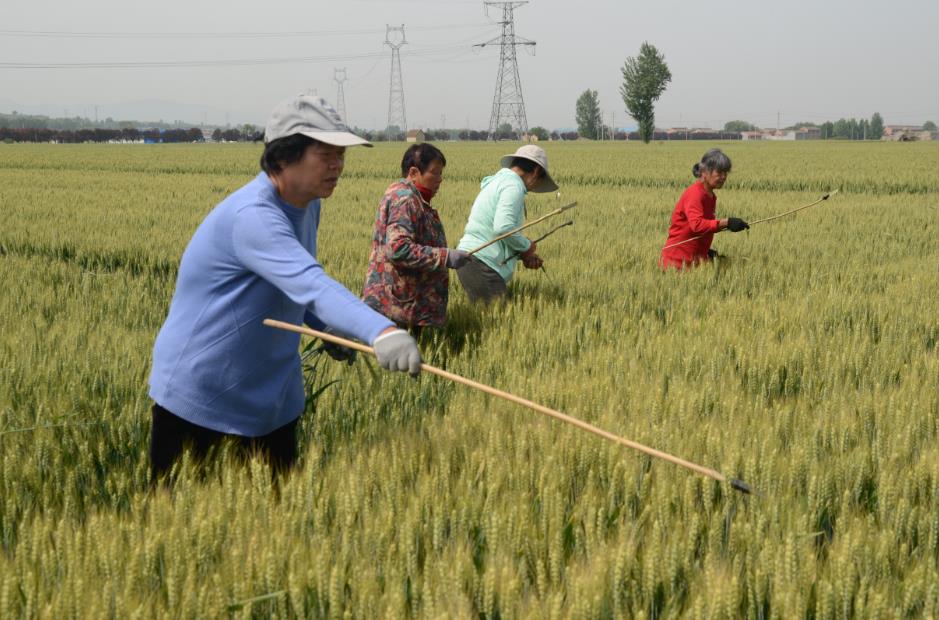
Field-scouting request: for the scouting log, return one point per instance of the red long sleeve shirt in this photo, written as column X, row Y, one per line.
column 693, row 216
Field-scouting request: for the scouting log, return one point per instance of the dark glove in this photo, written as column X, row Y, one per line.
column 457, row 258
column 337, row 351
column 712, row 254
column 735, row 224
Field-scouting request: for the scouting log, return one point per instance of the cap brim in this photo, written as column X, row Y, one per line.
column 545, row 184
column 337, row 138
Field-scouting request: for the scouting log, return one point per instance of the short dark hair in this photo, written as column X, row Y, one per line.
column 421, row 156
column 715, row 159
column 526, row 165
column 284, row 151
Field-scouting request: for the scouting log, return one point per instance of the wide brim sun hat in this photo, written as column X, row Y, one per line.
column 537, row 155
column 313, row 117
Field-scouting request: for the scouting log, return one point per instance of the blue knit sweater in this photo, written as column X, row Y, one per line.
column 253, row 257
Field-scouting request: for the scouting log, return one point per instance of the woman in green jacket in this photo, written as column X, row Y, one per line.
column 500, row 207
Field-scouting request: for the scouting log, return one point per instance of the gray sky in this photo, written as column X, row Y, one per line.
column 730, row 59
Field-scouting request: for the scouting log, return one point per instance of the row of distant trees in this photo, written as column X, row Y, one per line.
column 16, row 120
column 128, row 134
column 505, row 132
column 843, row 128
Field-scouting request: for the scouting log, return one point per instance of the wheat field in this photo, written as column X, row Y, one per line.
column 805, row 364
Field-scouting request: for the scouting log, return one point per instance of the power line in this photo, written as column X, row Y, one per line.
column 70, row 34
column 428, row 52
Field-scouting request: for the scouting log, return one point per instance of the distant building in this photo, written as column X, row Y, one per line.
column 802, row 133
column 908, row 133
column 415, row 135
column 893, row 132
column 809, row 133
column 751, row 135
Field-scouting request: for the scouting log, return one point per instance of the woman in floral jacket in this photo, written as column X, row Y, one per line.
column 407, row 278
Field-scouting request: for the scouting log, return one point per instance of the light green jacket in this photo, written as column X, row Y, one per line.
column 499, row 207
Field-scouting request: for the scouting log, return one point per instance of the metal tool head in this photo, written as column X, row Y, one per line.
column 741, row 486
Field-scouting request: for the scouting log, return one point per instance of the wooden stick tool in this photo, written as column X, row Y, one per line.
column 766, row 219
column 739, row 485
column 557, row 211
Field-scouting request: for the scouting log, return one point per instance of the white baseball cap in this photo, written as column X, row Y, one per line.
column 313, row 117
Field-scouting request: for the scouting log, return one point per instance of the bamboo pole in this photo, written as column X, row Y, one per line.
column 540, row 239
column 766, row 219
column 557, row 211
column 739, row 485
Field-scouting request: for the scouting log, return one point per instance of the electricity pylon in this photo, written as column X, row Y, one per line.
column 339, row 75
column 508, row 105
column 396, row 114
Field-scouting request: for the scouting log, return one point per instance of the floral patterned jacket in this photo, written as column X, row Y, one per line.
column 407, row 279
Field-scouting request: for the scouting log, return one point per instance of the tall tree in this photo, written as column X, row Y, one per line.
column 644, row 80
column 875, row 130
column 842, row 128
column 588, row 114
column 927, row 126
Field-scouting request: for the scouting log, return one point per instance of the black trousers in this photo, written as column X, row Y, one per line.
column 170, row 435
column 481, row 282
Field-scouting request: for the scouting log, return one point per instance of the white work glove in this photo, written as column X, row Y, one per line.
column 457, row 258
column 396, row 350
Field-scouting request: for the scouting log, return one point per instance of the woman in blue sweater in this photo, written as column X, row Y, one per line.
column 217, row 370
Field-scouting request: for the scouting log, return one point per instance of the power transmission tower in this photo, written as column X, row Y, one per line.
column 507, row 104
column 396, row 114
column 339, row 75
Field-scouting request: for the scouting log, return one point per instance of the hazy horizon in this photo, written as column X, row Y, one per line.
column 729, row 60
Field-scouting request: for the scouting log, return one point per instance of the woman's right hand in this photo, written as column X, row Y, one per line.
column 530, row 258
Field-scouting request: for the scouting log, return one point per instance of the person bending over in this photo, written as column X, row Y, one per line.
column 499, row 208
column 693, row 220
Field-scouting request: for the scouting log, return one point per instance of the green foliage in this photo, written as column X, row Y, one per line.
column 800, row 124
column 740, row 126
column 588, row 115
column 801, row 365
column 644, row 80
column 929, row 126
column 505, row 132
column 540, row 132
column 875, row 129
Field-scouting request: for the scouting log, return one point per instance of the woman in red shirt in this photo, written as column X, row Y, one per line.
column 693, row 221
